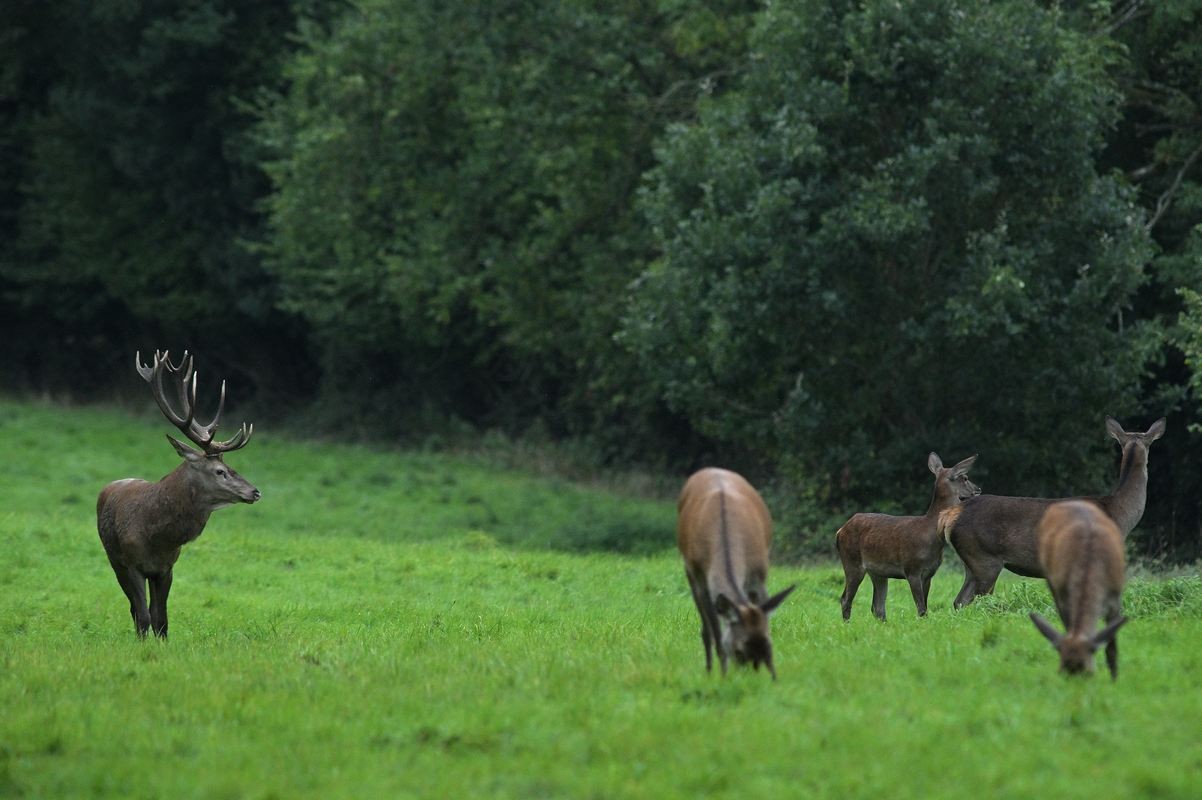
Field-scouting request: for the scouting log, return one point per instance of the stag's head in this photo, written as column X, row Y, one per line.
column 215, row 483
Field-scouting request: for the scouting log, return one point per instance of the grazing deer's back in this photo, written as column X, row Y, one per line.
column 718, row 506
column 1077, row 537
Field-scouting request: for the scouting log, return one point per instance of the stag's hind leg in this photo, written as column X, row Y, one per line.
column 133, row 583
column 160, row 587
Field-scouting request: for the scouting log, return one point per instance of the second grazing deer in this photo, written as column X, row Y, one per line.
column 993, row 533
column 724, row 532
column 1081, row 551
column 143, row 525
column 885, row 546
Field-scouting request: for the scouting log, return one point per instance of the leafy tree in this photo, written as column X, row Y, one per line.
column 893, row 238
column 453, row 207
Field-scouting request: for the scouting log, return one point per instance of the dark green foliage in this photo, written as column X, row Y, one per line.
column 893, row 238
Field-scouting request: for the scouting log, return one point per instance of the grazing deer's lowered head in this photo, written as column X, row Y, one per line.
column 1081, row 550
column 885, row 546
column 724, row 532
column 143, row 525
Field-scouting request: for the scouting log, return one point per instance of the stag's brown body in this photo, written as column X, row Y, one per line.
column 1081, row 553
column 886, row 546
column 143, row 525
column 724, row 532
column 992, row 532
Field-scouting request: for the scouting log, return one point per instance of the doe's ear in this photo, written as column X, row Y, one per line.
column 1054, row 636
column 964, row 466
column 1115, row 429
column 934, row 463
column 1156, row 431
column 769, row 605
column 1107, row 634
column 185, row 451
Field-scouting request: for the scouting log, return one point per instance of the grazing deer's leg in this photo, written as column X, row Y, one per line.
column 1061, row 608
column 1112, row 647
column 852, row 579
column 920, row 600
column 160, row 587
column 880, row 588
column 133, row 583
column 707, row 638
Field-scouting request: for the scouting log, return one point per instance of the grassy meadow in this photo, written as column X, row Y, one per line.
column 391, row 624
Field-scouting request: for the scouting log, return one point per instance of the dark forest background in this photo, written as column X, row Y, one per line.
column 809, row 240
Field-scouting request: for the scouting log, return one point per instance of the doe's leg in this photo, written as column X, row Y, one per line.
column 880, row 588
column 920, row 600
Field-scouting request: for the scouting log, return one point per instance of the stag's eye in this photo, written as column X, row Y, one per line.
column 221, row 473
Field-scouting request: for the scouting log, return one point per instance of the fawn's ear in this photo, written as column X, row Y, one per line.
column 1115, row 429
column 184, row 450
column 1054, row 636
column 1156, row 431
column 934, row 463
column 1107, row 634
column 769, row 605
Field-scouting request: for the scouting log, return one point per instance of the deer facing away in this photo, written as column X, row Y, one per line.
column 885, row 546
column 1081, row 551
column 724, row 532
column 992, row 532
column 143, row 525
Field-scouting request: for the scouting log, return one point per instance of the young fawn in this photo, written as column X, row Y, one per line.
column 887, row 547
column 1081, row 551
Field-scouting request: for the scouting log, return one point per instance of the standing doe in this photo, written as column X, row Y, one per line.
column 143, row 525
column 993, row 532
column 887, row 547
column 724, row 531
column 1081, row 551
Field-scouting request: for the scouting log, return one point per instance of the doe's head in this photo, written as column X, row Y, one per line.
column 953, row 480
column 1077, row 651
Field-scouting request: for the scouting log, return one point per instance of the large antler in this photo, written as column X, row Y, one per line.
column 185, row 385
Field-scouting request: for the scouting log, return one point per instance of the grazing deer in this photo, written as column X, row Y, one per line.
column 887, row 547
column 1081, row 552
column 143, row 525
column 724, row 531
column 993, row 532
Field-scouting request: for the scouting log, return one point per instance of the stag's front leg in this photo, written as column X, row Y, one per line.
column 133, row 583
column 160, row 587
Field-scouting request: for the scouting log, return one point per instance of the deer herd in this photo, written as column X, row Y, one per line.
column 724, row 532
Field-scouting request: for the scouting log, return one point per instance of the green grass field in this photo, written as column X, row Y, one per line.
column 410, row 625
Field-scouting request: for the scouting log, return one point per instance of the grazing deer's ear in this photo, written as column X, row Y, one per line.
column 184, row 450
column 934, row 463
column 726, row 608
column 1106, row 635
column 1115, row 429
column 769, row 605
column 1054, row 636
column 961, row 469
column 1156, row 431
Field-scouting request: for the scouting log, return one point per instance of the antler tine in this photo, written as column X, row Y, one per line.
column 208, row 431
column 235, row 442
column 144, row 371
column 160, row 393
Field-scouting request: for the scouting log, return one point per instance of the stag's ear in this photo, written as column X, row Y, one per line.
column 961, row 469
column 185, row 451
column 1115, row 429
column 1107, row 634
column 1054, row 636
column 934, row 463
column 1156, row 431
column 769, row 605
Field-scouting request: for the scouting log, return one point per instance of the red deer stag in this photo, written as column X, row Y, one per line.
column 724, row 531
column 143, row 525
column 993, row 532
column 887, row 547
column 1081, row 552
